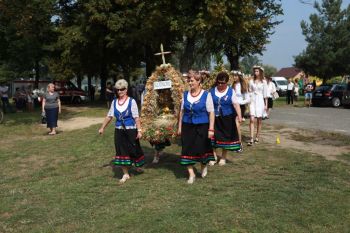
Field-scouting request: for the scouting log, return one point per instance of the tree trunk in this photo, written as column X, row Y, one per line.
column 150, row 61
column 233, row 60
column 37, row 74
column 79, row 80
column 187, row 58
column 103, row 78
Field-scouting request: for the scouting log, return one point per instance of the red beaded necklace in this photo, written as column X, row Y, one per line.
column 194, row 96
column 123, row 101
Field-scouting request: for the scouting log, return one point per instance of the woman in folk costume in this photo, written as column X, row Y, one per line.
column 226, row 110
column 127, row 130
column 258, row 103
column 196, row 127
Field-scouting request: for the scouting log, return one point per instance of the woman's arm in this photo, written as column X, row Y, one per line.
column 106, row 121
column 211, row 124
column 180, row 122
column 43, row 105
column 59, row 105
column 238, row 111
column 138, row 126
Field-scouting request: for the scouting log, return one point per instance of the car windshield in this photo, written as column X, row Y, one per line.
column 282, row 82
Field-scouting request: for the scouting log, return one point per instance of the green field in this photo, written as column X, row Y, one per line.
column 64, row 183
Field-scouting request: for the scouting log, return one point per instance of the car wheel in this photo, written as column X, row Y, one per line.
column 335, row 102
column 77, row 100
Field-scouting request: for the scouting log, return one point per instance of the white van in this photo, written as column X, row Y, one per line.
column 281, row 85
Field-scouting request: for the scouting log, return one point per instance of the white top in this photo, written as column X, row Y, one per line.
column 271, row 88
column 221, row 94
column 4, row 91
column 290, row 86
column 209, row 103
column 258, row 93
column 244, row 98
column 123, row 107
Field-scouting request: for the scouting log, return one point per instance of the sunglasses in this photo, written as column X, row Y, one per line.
column 121, row 89
column 221, row 83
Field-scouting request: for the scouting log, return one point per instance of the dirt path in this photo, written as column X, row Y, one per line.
column 78, row 123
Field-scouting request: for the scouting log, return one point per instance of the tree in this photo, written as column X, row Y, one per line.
column 328, row 37
column 240, row 28
column 269, row 70
column 27, row 32
column 248, row 62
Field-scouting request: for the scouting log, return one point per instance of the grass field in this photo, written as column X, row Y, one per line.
column 64, row 183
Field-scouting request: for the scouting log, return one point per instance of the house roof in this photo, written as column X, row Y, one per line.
column 288, row 72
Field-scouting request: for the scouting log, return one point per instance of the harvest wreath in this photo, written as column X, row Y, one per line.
column 161, row 107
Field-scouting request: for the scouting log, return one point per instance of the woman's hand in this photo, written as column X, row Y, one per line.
column 179, row 131
column 139, row 135
column 210, row 134
column 101, row 130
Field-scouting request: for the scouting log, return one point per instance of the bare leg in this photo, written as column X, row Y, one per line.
column 212, row 163
column 223, row 157
column 204, row 170
column 251, row 128
column 126, row 175
column 258, row 128
column 238, row 125
column 191, row 175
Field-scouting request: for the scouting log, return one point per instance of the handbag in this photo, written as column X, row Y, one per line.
column 43, row 118
column 275, row 95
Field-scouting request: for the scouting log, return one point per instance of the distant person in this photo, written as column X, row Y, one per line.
column 271, row 89
column 20, row 99
column 296, row 90
column 51, row 106
column 30, row 101
column 92, row 92
column 109, row 94
column 290, row 92
column 4, row 97
column 309, row 88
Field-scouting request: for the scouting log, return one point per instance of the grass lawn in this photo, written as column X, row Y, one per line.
column 63, row 183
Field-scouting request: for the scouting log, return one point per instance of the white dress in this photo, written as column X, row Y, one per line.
column 258, row 93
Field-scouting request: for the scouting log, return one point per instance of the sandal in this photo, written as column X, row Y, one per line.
column 251, row 142
column 256, row 140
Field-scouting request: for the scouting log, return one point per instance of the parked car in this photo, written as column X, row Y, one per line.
column 328, row 95
column 281, row 85
column 69, row 92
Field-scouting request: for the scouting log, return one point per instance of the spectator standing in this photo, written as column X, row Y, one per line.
column 296, row 90
column 4, row 97
column 109, row 94
column 51, row 106
column 290, row 90
column 309, row 88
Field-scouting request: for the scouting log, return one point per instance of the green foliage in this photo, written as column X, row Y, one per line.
column 269, row 70
column 248, row 62
column 328, row 36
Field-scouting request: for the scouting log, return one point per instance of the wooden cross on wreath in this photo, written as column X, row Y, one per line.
column 162, row 53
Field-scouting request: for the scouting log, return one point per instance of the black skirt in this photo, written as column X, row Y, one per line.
column 226, row 134
column 269, row 103
column 51, row 117
column 196, row 146
column 128, row 149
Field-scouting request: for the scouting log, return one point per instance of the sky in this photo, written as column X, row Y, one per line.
column 288, row 40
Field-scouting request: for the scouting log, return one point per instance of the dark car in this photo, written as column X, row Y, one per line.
column 328, row 95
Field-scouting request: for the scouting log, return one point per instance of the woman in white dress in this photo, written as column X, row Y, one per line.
column 258, row 103
column 240, row 85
